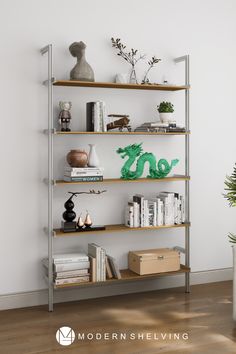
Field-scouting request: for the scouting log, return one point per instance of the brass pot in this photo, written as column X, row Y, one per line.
column 77, row 158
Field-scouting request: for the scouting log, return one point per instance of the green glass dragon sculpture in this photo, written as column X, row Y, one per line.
column 134, row 151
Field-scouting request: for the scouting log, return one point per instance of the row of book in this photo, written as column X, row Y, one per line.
column 96, row 116
column 166, row 208
column 83, row 174
column 74, row 268
column 160, row 127
column 103, row 266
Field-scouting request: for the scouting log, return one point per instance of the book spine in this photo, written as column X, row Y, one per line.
column 71, row 280
column 83, row 174
column 129, row 216
column 154, row 213
column 71, row 266
column 102, row 265
column 182, row 209
column 104, row 118
column 83, row 179
column 136, row 215
column 83, row 169
column 70, row 260
column 96, row 115
column 145, row 222
column 71, row 273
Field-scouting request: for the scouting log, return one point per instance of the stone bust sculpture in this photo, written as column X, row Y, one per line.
column 82, row 70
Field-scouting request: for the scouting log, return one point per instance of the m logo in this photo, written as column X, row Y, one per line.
column 65, row 336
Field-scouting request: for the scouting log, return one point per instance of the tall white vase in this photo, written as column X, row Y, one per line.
column 93, row 160
column 234, row 282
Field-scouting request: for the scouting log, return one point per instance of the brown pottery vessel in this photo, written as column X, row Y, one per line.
column 77, row 158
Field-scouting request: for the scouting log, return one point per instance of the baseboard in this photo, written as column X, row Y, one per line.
column 39, row 297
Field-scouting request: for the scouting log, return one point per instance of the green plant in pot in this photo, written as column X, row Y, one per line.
column 230, row 195
column 165, row 110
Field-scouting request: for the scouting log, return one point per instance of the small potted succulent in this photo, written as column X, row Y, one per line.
column 165, row 110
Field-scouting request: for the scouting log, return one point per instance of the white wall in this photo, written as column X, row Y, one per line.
column 205, row 30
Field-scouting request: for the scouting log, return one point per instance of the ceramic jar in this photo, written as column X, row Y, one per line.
column 77, row 158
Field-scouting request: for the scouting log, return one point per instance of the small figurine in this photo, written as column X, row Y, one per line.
column 121, row 123
column 135, row 153
column 80, row 222
column 88, row 221
column 64, row 116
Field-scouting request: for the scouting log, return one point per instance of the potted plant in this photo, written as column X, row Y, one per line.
column 230, row 183
column 165, row 110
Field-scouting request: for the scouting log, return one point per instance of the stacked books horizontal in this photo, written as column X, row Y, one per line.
column 166, row 208
column 102, row 266
column 83, row 174
column 96, row 116
column 70, row 268
column 160, row 127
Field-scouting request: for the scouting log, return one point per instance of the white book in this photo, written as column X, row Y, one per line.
column 103, row 265
column 81, row 279
column 71, row 273
column 161, row 213
column 96, row 119
column 139, row 198
column 129, row 215
column 170, row 201
column 67, row 266
column 136, row 214
column 182, row 207
column 83, row 174
column 151, row 213
column 70, row 258
column 145, row 221
column 154, row 220
column 83, row 169
column 104, row 117
column 95, row 251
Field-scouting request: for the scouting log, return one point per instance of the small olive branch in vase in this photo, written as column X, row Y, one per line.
column 151, row 64
column 230, row 184
column 132, row 57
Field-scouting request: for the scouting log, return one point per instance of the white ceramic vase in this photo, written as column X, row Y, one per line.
column 93, row 160
column 234, row 282
column 166, row 117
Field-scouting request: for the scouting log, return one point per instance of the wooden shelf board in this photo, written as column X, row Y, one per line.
column 75, row 83
column 120, row 133
column 120, row 180
column 126, row 275
column 117, row 228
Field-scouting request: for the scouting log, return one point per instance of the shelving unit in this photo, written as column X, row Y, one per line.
column 52, row 233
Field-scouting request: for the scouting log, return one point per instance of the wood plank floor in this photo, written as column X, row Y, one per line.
column 205, row 315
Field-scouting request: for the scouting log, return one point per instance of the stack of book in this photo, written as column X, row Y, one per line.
column 102, row 266
column 160, row 127
column 83, row 174
column 166, row 208
column 70, row 268
column 96, row 116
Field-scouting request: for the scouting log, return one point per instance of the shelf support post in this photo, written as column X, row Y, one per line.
column 48, row 50
column 185, row 59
